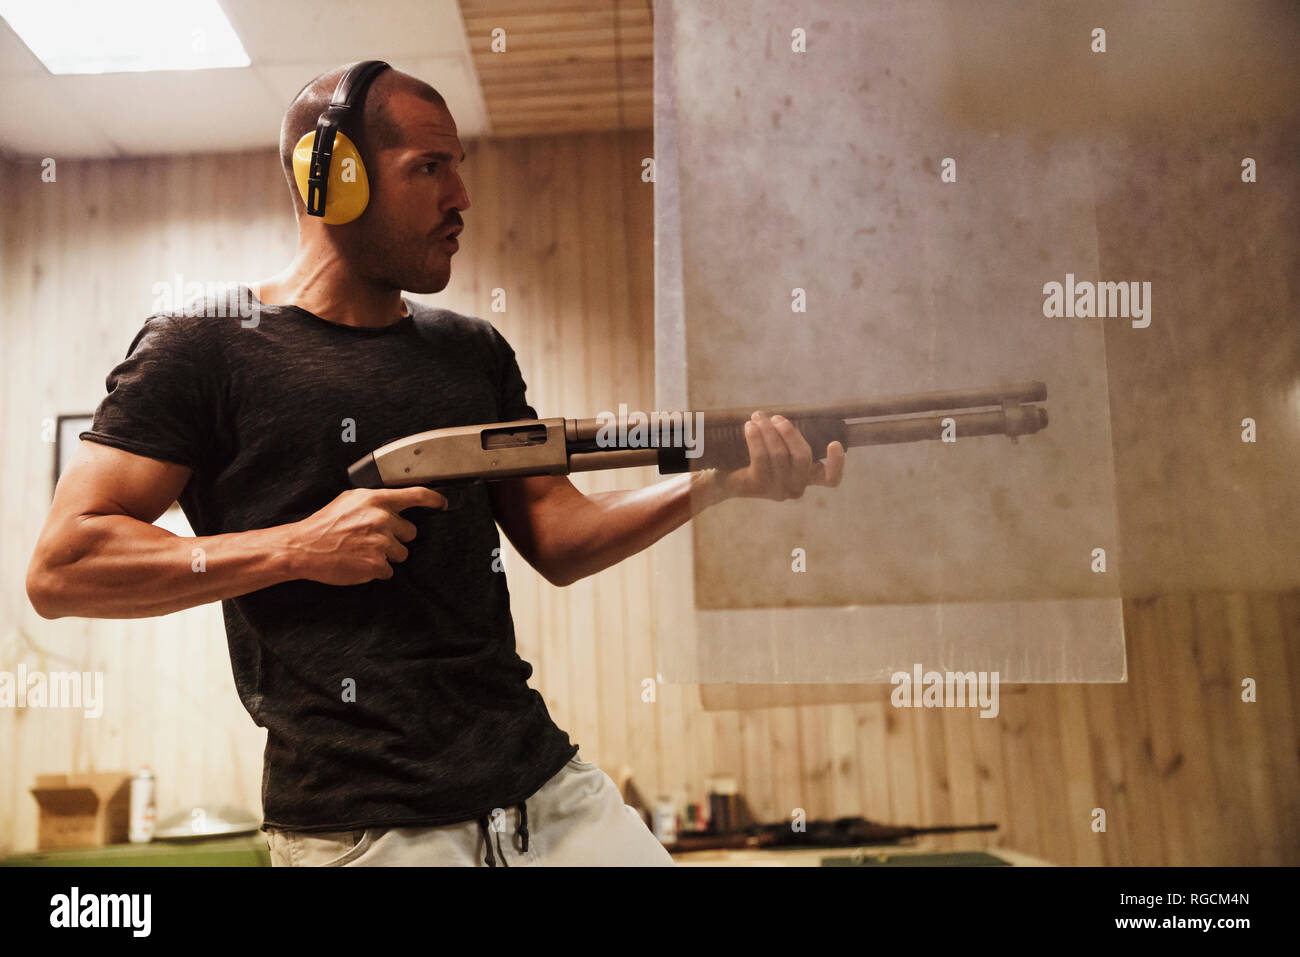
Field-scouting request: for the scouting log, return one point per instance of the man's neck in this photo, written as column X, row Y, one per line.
column 324, row 287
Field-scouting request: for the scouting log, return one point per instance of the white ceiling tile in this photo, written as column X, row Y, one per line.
column 47, row 119
column 289, row 42
column 339, row 31
column 145, row 113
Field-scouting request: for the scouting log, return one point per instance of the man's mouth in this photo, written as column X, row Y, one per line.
column 449, row 239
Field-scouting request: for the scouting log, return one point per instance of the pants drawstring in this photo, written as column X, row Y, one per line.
column 483, row 823
column 489, row 860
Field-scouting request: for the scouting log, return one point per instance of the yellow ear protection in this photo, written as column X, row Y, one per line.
column 327, row 165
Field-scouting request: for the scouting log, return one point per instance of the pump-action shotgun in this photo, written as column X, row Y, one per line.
column 463, row 455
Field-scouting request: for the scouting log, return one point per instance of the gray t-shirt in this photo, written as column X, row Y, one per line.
column 443, row 727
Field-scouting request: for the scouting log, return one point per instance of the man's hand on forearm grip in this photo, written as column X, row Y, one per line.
column 781, row 462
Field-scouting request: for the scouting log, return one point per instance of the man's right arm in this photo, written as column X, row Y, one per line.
column 100, row 556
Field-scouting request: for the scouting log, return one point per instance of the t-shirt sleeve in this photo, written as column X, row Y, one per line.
column 512, row 402
column 158, row 403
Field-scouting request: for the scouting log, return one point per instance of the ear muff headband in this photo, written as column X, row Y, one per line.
column 327, row 165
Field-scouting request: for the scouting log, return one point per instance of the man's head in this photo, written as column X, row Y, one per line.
column 407, row 139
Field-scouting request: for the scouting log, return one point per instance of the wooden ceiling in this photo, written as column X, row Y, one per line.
column 568, row 66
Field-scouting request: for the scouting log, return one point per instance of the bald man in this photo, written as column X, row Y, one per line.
column 369, row 631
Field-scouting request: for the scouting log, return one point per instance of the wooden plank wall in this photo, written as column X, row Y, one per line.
column 1186, row 772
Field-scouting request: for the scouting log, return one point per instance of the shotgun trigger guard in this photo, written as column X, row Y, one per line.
column 456, row 492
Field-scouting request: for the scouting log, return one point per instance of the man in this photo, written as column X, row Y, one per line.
column 368, row 630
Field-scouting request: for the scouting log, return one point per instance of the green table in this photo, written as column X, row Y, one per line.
column 245, row 850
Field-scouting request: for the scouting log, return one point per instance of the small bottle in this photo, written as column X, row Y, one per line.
column 698, row 824
column 665, row 821
column 142, row 807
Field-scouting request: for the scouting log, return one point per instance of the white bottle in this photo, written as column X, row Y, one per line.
column 665, row 821
column 142, row 807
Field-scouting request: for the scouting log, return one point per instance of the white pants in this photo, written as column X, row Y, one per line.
column 577, row 818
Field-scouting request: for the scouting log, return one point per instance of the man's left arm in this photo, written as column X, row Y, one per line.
column 567, row 535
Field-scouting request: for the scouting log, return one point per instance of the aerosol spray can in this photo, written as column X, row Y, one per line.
column 142, row 807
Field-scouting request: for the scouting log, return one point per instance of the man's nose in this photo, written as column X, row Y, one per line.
column 460, row 199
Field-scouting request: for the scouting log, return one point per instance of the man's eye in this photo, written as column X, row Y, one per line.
column 431, row 167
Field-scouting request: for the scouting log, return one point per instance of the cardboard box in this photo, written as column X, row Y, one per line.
column 82, row 810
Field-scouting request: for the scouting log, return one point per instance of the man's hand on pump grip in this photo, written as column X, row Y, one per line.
column 781, row 463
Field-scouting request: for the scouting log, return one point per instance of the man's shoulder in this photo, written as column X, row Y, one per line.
column 437, row 316
column 436, row 321
column 206, row 318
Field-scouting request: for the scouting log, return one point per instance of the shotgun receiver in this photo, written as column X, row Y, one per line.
column 685, row 441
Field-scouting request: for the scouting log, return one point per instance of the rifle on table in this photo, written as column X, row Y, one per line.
column 844, row 832
column 463, row 455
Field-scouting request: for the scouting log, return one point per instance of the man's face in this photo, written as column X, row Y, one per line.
column 416, row 198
